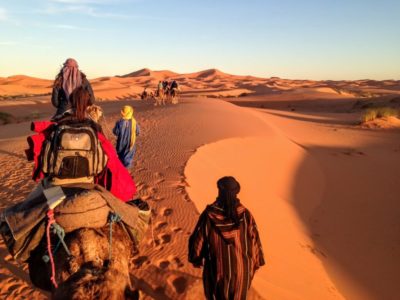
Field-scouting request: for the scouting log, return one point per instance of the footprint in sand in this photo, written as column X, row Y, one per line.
column 146, row 197
column 160, row 291
column 183, row 181
column 165, row 238
column 176, row 229
column 142, row 187
column 178, row 283
column 159, row 174
column 160, row 225
column 181, row 189
column 166, row 212
column 161, row 180
column 138, row 183
column 158, row 198
column 139, row 261
column 151, row 190
column 163, row 264
column 176, row 261
column 155, row 242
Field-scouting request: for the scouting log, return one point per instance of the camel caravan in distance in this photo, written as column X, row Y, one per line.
column 166, row 92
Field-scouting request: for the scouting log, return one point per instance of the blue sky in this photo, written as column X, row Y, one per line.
column 310, row 39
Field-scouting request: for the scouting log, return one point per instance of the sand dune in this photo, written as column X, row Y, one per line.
column 20, row 84
column 147, row 72
column 299, row 178
column 322, row 190
column 315, row 193
column 266, row 167
column 161, row 269
column 210, row 83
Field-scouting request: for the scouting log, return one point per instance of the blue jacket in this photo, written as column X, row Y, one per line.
column 122, row 130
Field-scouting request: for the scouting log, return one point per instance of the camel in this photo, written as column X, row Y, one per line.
column 160, row 98
column 93, row 262
column 88, row 273
column 147, row 95
column 173, row 95
column 95, row 112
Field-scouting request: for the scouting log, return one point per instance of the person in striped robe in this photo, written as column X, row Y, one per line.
column 226, row 243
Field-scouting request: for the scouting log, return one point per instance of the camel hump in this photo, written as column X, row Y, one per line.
column 85, row 210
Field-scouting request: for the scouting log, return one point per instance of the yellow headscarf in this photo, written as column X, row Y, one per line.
column 127, row 114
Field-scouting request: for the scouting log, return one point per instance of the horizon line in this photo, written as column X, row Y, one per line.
column 205, row 70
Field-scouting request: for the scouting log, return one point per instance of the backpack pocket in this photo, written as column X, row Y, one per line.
column 77, row 140
column 70, row 164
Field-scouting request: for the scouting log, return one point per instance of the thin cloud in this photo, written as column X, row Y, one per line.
column 3, row 14
column 95, row 2
column 82, row 2
column 97, row 14
column 71, row 27
column 89, row 11
column 52, row 9
column 25, row 44
column 79, row 9
column 8, row 43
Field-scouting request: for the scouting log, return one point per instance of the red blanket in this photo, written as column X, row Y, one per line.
column 115, row 178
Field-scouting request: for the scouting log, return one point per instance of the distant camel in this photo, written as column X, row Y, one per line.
column 173, row 95
column 160, row 97
column 87, row 273
column 146, row 95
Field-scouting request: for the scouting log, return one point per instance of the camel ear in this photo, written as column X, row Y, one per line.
column 131, row 294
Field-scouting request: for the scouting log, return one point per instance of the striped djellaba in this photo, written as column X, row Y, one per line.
column 230, row 254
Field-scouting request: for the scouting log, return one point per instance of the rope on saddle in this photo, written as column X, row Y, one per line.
column 57, row 229
column 46, row 258
column 51, row 221
column 112, row 218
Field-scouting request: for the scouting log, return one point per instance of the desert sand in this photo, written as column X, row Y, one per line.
column 322, row 189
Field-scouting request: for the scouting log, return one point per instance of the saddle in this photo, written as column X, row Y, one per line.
column 22, row 226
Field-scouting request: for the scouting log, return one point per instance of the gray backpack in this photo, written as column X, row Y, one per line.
column 73, row 151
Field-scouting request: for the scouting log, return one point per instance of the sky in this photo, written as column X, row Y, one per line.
column 310, row 39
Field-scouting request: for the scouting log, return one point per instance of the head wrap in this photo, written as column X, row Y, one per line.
column 72, row 77
column 228, row 188
column 228, row 184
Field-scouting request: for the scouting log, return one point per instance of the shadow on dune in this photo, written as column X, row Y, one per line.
column 354, row 218
column 328, row 105
column 310, row 118
column 157, row 293
column 11, row 267
column 20, row 156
